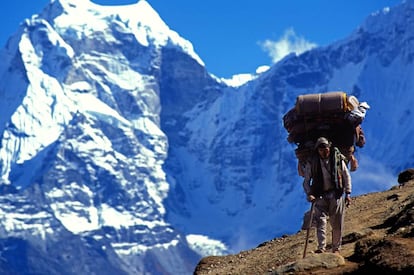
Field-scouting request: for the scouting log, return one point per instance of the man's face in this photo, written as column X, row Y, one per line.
column 324, row 152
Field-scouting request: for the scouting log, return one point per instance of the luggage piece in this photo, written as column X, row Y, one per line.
column 338, row 131
column 303, row 154
column 289, row 119
column 331, row 102
column 328, row 115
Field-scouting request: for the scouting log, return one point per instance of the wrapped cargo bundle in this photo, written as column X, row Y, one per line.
column 334, row 115
column 331, row 102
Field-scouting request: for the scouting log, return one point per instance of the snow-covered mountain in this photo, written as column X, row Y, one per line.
column 121, row 154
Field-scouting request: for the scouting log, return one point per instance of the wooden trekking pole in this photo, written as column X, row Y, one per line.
column 309, row 228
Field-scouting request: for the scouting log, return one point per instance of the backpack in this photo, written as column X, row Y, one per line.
column 330, row 115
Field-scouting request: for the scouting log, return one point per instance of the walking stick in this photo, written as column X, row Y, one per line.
column 308, row 229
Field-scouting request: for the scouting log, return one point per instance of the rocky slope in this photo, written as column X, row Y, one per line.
column 379, row 231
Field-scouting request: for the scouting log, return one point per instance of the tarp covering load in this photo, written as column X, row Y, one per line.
column 334, row 115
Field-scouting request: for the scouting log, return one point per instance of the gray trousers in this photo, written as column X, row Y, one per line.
column 329, row 208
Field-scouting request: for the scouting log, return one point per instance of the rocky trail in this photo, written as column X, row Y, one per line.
column 379, row 231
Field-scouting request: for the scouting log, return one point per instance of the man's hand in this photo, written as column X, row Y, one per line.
column 348, row 200
column 310, row 198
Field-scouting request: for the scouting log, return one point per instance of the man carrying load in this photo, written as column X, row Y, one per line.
column 326, row 180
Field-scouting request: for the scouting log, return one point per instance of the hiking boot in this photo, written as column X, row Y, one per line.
column 319, row 250
column 336, row 251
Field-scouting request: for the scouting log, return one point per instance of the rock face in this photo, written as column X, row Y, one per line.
column 379, row 231
column 406, row 175
column 117, row 144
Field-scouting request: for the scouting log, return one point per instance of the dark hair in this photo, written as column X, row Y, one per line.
column 323, row 145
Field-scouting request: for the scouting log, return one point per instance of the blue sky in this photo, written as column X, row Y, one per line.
column 233, row 37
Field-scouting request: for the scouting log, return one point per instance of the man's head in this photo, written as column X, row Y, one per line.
column 323, row 146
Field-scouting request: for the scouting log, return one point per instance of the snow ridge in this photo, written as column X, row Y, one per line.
column 116, row 140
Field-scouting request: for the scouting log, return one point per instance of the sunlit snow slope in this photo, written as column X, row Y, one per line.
column 117, row 142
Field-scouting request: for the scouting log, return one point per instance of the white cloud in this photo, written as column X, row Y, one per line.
column 288, row 43
column 262, row 69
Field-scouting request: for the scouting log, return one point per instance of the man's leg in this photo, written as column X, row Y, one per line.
column 337, row 220
column 321, row 224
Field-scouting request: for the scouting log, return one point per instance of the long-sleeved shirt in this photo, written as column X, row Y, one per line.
column 327, row 182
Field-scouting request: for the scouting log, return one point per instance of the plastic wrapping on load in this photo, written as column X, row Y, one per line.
column 357, row 115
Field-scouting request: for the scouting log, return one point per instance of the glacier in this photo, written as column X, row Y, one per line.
column 121, row 154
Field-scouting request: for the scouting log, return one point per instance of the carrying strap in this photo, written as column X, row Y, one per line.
column 338, row 157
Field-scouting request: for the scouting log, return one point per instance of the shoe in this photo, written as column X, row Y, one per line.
column 319, row 250
column 336, row 251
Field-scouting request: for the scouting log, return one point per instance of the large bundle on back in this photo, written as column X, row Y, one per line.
column 333, row 115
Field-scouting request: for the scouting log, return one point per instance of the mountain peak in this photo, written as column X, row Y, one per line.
column 140, row 19
column 112, row 135
column 389, row 17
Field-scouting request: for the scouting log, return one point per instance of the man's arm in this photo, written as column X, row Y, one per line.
column 346, row 179
column 306, row 182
